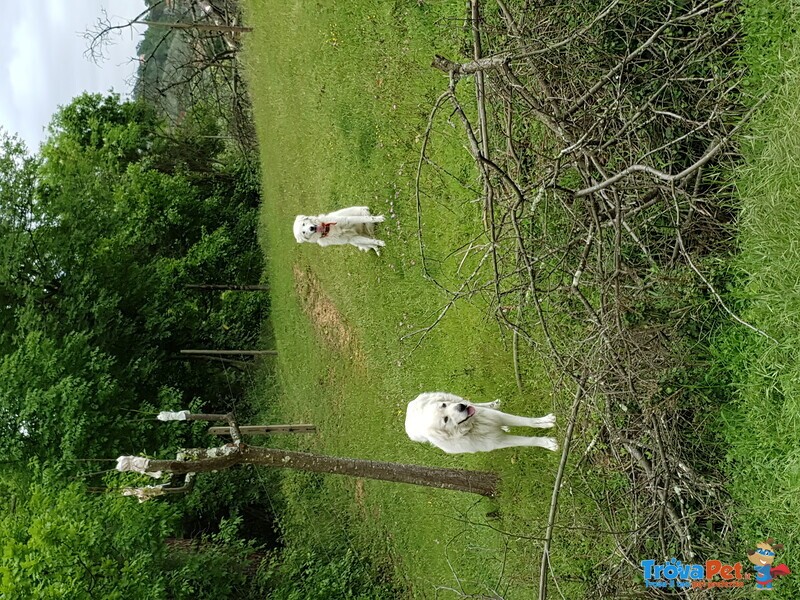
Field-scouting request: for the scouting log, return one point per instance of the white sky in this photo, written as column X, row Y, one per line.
column 43, row 63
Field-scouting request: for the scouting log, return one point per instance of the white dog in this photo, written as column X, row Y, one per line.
column 347, row 226
column 456, row 425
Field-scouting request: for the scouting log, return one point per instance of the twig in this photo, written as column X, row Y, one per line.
column 709, row 154
column 551, row 518
column 425, row 139
column 713, row 291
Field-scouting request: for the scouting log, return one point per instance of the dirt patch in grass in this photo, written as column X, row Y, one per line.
column 328, row 322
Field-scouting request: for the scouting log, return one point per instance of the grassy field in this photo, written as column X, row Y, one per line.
column 342, row 93
column 761, row 424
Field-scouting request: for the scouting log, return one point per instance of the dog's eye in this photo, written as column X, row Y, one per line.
column 446, row 419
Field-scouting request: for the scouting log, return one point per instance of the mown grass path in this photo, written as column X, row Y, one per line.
column 342, row 93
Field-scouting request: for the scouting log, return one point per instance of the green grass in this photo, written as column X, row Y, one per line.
column 342, row 93
column 762, row 423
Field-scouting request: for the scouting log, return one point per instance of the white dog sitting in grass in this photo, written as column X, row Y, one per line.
column 456, row 425
column 347, row 226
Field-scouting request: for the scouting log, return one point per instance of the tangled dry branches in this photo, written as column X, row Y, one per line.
column 602, row 136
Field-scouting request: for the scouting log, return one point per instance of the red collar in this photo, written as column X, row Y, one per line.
column 325, row 228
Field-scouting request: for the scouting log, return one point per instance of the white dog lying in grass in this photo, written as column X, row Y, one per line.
column 347, row 226
column 456, row 425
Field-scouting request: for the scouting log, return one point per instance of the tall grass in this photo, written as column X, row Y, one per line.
column 762, row 423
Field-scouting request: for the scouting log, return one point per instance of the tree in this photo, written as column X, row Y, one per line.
column 50, row 399
column 27, row 273
column 204, row 460
column 187, row 56
column 99, row 234
column 476, row 482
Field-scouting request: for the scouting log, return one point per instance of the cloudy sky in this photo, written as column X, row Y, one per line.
column 43, row 63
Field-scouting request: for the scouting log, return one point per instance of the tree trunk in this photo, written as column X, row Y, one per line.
column 479, row 65
column 476, row 482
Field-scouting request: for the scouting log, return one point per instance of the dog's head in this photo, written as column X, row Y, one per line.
column 307, row 229
column 430, row 418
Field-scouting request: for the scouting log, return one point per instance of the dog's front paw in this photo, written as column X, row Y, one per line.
column 494, row 404
column 550, row 444
column 378, row 219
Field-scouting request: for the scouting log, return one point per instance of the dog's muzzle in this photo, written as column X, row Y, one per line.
column 466, row 408
column 470, row 410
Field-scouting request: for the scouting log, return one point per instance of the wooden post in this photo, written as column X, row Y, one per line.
column 207, row 417
column 230, row 352
column 265, row 429
column 242, row 365
column 226, row 286
column 197, row 26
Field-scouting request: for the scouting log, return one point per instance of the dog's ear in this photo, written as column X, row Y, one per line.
column 414, row 416
column 298, row 229
column 422, row 400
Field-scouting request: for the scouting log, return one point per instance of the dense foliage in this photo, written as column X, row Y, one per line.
column 60, row 542
column 99, row 234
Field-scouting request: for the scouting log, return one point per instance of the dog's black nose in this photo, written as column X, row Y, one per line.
column 313, row 228
column 462, row 407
